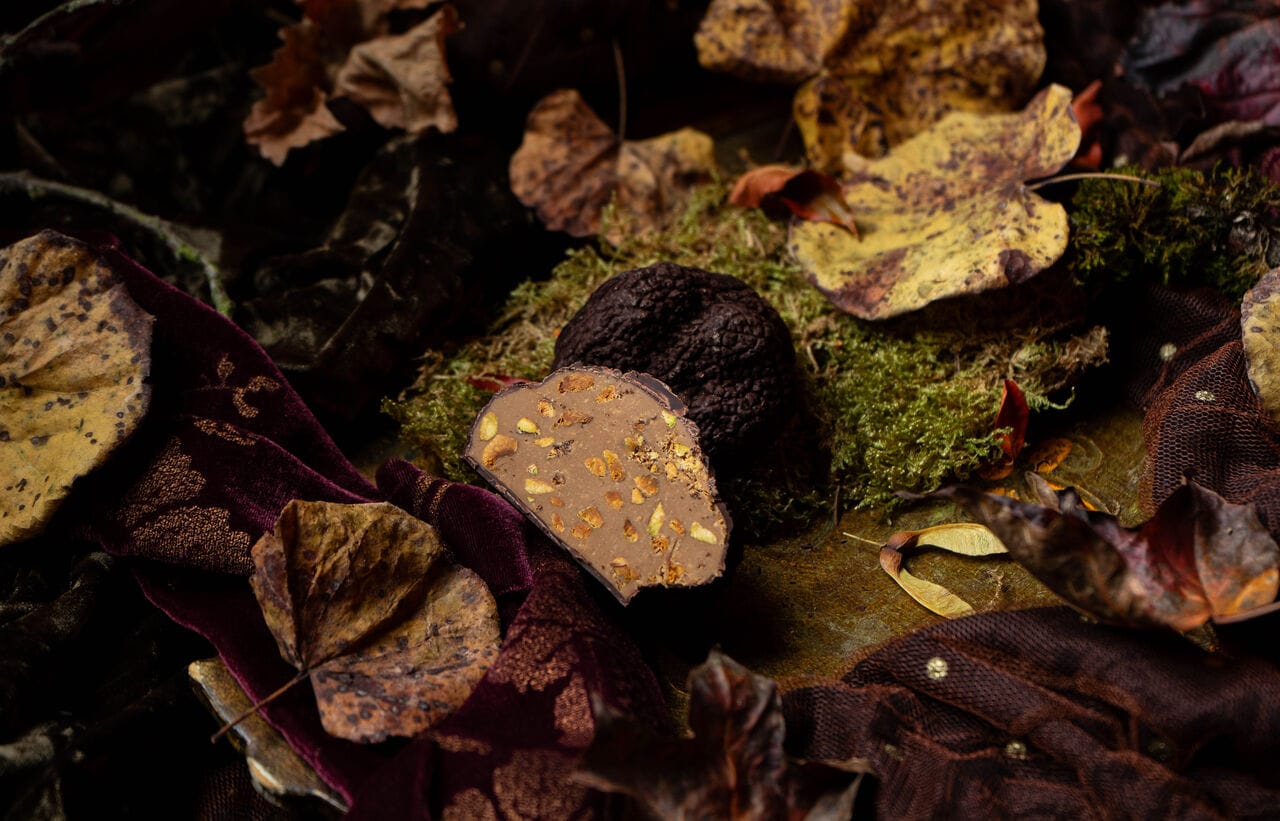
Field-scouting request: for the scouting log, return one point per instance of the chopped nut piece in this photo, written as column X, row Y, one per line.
column 497, row 447
column 672, row 471
column 616, row 473
column 660, row 544
column 647, row 484
column 596, row 465
column 700, row 533
column 674, row 572
column 556, row 501
column 614, row 499
column 636, row 496
column 545, row 408
column 557, row 522
column 577, row 382
column 537, row 486
column 607, row 394
column 527, row 425
column 618, row 562
column 545, row 441
column 655, row 520
column 572, row 417
column 533, row 470
column 581, row 530
column 676, row 525
column 591, row 516
column 669, row 418
column 488, row 427
column 629, row 531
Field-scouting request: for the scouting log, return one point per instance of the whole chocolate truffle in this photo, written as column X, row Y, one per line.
column 710, row 337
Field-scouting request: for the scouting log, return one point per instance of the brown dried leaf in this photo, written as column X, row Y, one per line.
column 963, row 538
column 1198, row 558
column 364, row 599
column 947, row 212
column 571, row 164
column 804, row 192
column 74, row 353
column 733, row 767
column 401, row 80
column 346, row 48
column 877, row 72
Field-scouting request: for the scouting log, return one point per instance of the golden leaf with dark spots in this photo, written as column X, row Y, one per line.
column 364, row 599
column 947, row 213
column 75, row 351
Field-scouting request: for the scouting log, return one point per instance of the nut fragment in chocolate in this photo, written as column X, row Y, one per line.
column 609, row 466
column 709, row 337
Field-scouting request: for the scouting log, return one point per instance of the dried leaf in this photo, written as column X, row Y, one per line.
column 1199, row 557
column 347, row 48
column 947, row 212
column 963, row 538
column 74, row 355
column 877, row 73
column 804, row 192
column 733, row 767
column 1014, row 415
column 571, row 164
column 362, row 597
column 1260, row 335
column 401, row 80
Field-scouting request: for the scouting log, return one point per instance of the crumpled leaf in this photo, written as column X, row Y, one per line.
column 349, row 49
column 805, row 192
column 963, row 538
column 362, row 598
column 1199, row 557
column 1227, row 50
column 571, row 164
column 877, row 73
column 75, row 351
column 734, row 766
column 1260, row 335
column 947, row 212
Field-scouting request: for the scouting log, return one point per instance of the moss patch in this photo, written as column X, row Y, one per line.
column 905, row 406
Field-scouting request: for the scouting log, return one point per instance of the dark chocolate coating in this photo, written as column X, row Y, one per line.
column 710, row 337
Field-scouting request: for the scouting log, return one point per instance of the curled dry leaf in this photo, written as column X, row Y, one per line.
column 571, row 164
column 75, row 351
column 806, row 193
column 733, row 767
column 363, row 598
column 947, row 212
column 1260, row 335
column 348, row 48
column 1014, row 414
column 962, row 538
column 1199, row 557
column 610, row 467
column 877, row 73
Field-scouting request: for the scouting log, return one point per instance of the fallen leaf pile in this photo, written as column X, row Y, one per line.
column 363, row 598
column 948, row 212
column 74, row 357
column 349, row 49
column 1200, row 557
column 570, row 165
column 733, row 767
column 875, row 73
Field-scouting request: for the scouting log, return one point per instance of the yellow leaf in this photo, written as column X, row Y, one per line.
column 1260, row 333
column 963, row 538
column 75, row 351
column 877, row 72
column 571, row 164
column 947, row 212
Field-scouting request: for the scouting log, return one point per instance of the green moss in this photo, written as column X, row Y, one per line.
column 1217, row 229
column 895, row 408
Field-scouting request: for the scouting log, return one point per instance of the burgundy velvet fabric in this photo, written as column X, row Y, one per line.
column 1040, row 714
column 226, row 444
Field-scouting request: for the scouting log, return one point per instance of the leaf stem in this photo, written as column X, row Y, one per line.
column 279, row 691
column 161, row 230
column 1091, row 175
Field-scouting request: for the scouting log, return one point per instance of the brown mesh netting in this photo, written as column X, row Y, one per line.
column 1202, row 415
column 1039, row 714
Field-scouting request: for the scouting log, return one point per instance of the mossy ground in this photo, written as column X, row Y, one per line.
column 895, row 408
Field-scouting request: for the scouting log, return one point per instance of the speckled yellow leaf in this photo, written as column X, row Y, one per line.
column 74, row 353
column 876, row 72
column 963, row 538
column 947, row 213
column 570, row 165
column 1260, row 333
